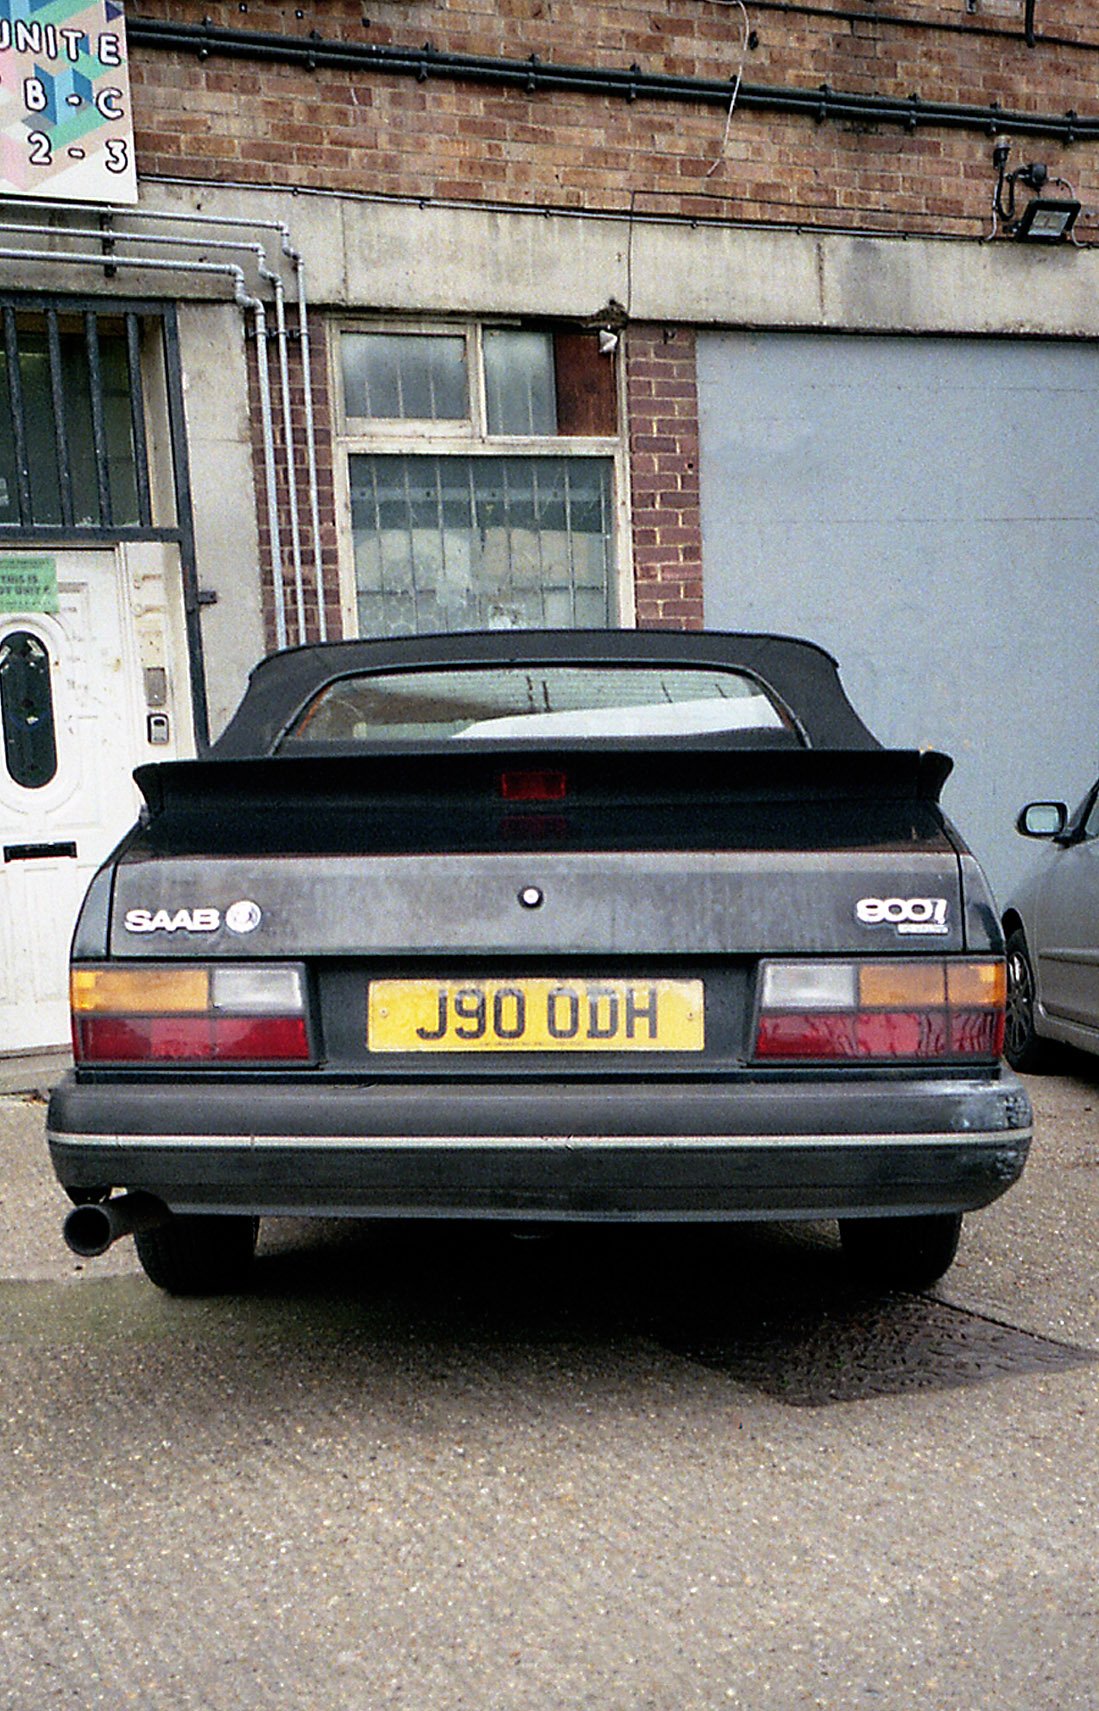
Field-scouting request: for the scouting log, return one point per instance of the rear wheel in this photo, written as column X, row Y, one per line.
column 197, row 1254
column 1022, row 1047
column 901, row 1253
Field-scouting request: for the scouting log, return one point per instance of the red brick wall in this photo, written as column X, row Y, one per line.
column 663, row 427
column 367, row 130
column 362, row 129
column 326, row 485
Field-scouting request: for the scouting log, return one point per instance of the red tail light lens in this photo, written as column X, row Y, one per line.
column 880, row 1012
column 252, row 1014
column 977, row 1033
column 530, row 786
column 190, row 1039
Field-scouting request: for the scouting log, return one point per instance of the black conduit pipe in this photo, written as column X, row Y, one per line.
column 537, row 76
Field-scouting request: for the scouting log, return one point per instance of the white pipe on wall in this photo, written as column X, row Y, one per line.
column 111, row 234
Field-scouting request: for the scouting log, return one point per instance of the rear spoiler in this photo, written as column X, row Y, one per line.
column 592, row 776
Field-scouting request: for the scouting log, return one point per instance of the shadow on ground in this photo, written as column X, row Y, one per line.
column 771, row 1307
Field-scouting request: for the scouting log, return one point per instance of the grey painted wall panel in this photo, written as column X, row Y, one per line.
column 928, row 509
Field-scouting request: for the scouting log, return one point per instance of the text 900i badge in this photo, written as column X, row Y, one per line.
column 908, row 915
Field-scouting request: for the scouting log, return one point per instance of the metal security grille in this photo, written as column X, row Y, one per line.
column 73, row 437
column 460, row 543
column 93, row 441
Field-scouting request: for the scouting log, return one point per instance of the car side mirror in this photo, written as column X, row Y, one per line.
column 1042, row 820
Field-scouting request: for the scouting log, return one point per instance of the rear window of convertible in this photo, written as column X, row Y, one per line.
column 515, row 703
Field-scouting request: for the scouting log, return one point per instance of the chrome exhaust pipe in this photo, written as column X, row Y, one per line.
column 90, row 1230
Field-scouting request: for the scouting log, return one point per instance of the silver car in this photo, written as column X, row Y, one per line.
column 1052, row 932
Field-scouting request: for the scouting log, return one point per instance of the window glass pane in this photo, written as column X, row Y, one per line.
column 405, row 376
column 45, row 483
column 114, row 366
column 472, row 543
column 551, row 701
column 41, row 438
column 519, row 382
column 26, row 710
column 76, row 386
column 9, row 477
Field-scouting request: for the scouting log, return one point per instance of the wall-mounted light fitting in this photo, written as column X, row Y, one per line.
column 1045, row 219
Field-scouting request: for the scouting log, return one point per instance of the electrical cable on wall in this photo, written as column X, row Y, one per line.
column 712, row 168
column 1066, row 184
column 987, row 239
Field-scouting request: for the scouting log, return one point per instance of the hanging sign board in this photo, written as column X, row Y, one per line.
column 28, row 584
column 66, row 128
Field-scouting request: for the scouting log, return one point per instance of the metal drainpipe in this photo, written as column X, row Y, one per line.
column 311, row 446
column 291, row 448
column 230, row 221
column 297, row 261
column 241, row 296
column 259, row 253
column 269, row 471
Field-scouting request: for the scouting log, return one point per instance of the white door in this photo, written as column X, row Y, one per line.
column 86, row 694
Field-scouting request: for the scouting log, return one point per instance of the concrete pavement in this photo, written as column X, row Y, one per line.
column 619, row 1471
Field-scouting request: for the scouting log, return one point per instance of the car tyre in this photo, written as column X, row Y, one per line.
column 197, row 1254
column 901, row 1253
column 1023, row 1048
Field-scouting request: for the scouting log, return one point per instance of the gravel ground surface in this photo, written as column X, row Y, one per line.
column 618, row 1470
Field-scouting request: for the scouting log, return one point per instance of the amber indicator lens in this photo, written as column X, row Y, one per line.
column 912, row 985
column 977, row 983
column 119, row 990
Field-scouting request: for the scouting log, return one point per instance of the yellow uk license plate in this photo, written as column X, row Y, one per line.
column 536, row 1014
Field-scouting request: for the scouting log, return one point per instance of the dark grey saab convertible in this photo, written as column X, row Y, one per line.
column 605, row 926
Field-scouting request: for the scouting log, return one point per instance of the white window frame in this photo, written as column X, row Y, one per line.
column 469, row 438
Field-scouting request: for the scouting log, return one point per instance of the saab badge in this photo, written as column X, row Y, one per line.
column 243, row 917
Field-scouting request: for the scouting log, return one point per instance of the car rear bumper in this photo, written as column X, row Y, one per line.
column 765, row 1148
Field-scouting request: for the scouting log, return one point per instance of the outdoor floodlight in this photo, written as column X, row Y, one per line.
column 1045, row 219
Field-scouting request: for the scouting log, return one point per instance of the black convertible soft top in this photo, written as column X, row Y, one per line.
column 803, row 676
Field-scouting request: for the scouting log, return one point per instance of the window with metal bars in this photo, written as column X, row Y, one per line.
column 73, row 442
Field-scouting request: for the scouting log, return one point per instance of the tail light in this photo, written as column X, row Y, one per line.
column 530, row 786
column 881, row 1011
column 250, row 1013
